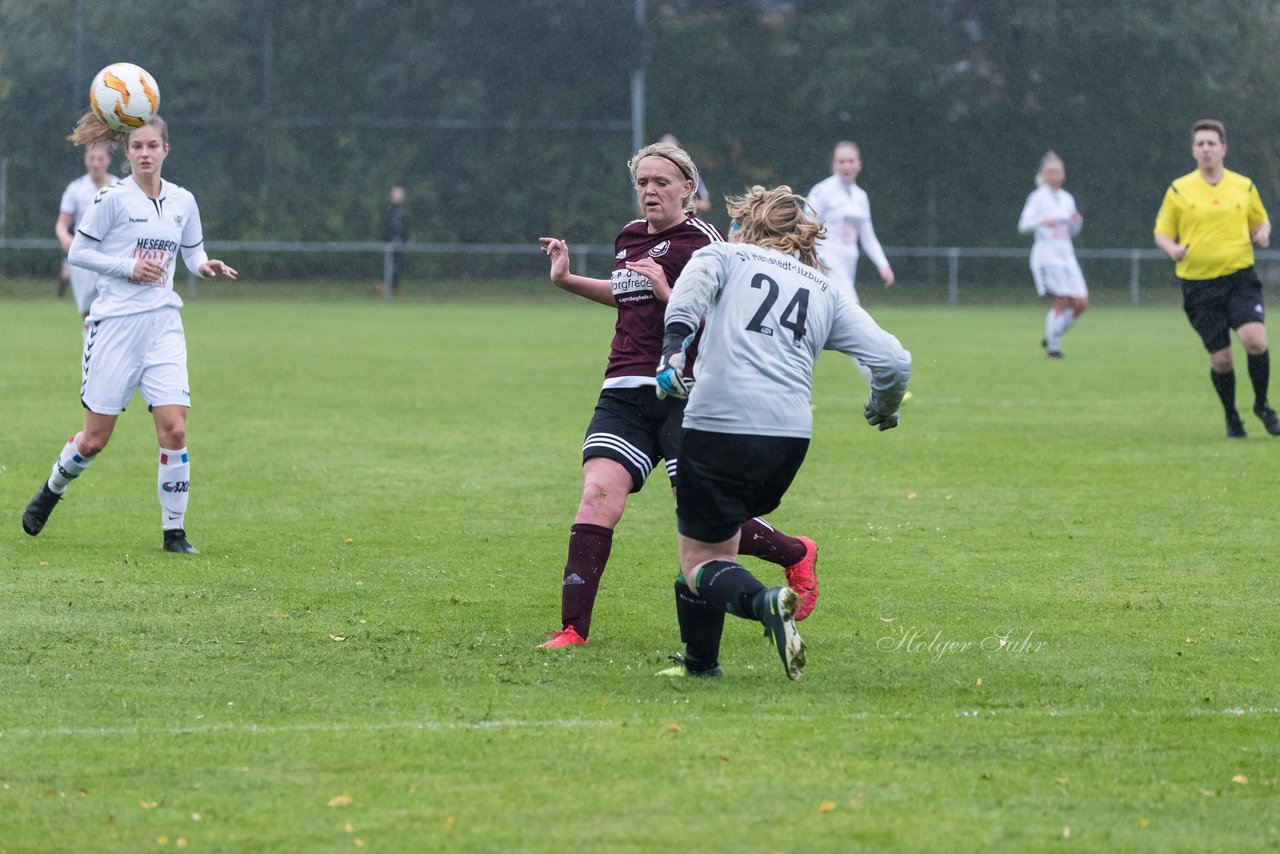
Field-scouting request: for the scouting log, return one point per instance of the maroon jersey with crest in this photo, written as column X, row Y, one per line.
column 637, row 339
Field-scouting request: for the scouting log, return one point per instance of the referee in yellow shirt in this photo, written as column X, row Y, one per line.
column 1208, row 223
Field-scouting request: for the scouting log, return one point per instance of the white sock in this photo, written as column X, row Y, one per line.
column 1068, row 318
column 69, row 466
column 1053, row 331
column 173, row 484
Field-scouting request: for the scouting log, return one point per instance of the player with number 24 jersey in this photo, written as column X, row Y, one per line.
column 768, row 317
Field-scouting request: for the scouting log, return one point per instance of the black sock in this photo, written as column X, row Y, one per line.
column 729, row 588
column 701, row 625
column 1260, row 376
column 1225, row 385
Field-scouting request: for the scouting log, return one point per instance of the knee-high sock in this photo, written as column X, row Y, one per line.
column 729, row 588
column 762, row 540
column 1225, row 386
column 1260, row 376
column 589, row 547
column 173, row 485
column 69, row 466
column 1054, row 326
column 701, row 625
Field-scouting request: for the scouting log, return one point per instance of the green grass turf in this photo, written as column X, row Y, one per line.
column 382, row 495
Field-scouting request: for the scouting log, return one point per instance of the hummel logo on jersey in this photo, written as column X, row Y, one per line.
column 573, row 578
column 137, row 219
column 661, row 249
column 622, row 254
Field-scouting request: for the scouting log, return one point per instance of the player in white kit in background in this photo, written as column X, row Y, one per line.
column 769, row 311
column 843, row 207
column 76, row 200
column 130, row 238
column 1050, row 213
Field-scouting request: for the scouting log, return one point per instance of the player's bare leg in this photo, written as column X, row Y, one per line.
column 72, row 461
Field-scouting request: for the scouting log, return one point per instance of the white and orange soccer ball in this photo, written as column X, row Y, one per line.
column 124, row 96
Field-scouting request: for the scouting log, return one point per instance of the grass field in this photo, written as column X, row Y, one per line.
column 382, row 495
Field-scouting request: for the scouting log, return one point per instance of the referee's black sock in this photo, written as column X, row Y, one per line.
column 729, row 587
column 1260, row 376
column 1225, row 385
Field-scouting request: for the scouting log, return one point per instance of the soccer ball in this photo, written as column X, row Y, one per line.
column 124, row 96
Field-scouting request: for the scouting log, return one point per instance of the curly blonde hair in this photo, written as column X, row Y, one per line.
column 776, row 219
column 679, row 158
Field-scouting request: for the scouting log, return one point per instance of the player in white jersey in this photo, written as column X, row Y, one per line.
column 843, row 207
column 130, row 239
column 1050, row 213
column 76, row 200
column 769, row 311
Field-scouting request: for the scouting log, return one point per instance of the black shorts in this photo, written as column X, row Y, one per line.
column 634, row 428
column 1216, row 306
column 727, row 478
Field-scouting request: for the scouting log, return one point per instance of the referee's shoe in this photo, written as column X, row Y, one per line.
column 1269, row 418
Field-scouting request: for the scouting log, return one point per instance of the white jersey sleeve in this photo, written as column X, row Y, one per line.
column 1052, row 216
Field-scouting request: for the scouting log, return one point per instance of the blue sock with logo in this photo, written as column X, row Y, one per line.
column 173, row 485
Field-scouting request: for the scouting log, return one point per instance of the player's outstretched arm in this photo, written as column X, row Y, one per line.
column 215, row 269
column 596, row 290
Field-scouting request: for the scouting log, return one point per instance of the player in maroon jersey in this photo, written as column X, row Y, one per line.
column 632, row 429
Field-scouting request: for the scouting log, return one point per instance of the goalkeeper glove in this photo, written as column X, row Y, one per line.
column 671, row 379
column 876, row 418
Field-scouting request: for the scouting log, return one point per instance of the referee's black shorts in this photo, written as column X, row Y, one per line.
column 727, row 478
column 1216, row 306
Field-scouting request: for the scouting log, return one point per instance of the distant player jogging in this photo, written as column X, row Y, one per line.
column 130, row 238
column 1051, row 215
column 631, row 430
column 76, row 201
column 769, row 312
column 1207, row 224
column 844, row 208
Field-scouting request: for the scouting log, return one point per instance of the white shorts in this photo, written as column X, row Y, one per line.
column 84, row 286
column 841, row 264
column 1059, row 280
column 145, row 351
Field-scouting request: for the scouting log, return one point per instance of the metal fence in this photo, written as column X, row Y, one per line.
column 597, row 259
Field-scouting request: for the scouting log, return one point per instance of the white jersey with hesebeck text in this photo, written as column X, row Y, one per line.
column 767, row 318
column 123, row 225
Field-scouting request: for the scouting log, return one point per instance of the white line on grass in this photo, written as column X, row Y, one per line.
column 448, row 726
column 315, row 726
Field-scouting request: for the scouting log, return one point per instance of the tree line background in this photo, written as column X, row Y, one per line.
column 508, row 119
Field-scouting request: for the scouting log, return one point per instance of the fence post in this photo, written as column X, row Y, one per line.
column 581, row 252
column 1135, row 258
column 388, row 272
column 953, row 275
column 191, row 285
